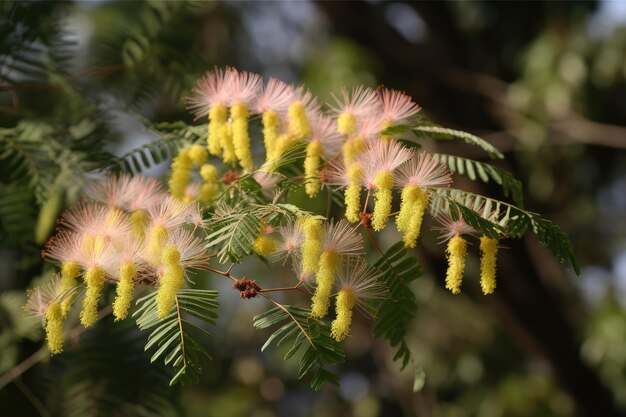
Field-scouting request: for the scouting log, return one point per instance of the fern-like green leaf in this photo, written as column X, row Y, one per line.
column 233, row 233
column 306, row 335
column 175, row 337
column 503, row 218
column 396, row 313
column 474, row 170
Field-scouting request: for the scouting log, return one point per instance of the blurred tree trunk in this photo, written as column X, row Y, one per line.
column 530, row 310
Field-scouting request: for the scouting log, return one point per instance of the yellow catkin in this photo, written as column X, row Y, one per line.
column 208, row 192
column 283, row 143
column 264, row 245
column 172, row 280
column 198, row 154
column 382, row 199
column 352, row 148
column 208, row 172
column 353, row 192
column 299, row 124
column 124, row 290
column 271, row 129
column 312, row 245
column 228, row 147
column 54, row 328
column 344, row 305
column 328, row 264
column 457, row 247
column 181, row 174
column 158, row 237
column 411, row 215
column 346, row 124
column 218, row 116
column 489, row 250
column 95, row 279
column 69, row 273
column 139, row 220
column 312, row 162
column 241, row 137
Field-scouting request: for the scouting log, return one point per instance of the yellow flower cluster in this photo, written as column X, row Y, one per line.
column 457, row 248
column 412, row 208
column 124, row 290
column 172, row 280
column 344, row 305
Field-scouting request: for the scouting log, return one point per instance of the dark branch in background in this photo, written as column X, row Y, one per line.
column 531, row 312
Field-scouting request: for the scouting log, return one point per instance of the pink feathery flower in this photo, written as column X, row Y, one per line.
column 193, row 253
column 276, row 96
column 324, row 130
column 171, row 213
column 290, row 242
column 357, row 275
column 312, row 105
column 382, row 156
column 335, row 173
column 62, row 247
column 358, row 102
column 369, row 127
column 398, row 107
column 450, row 228
column 144, row 193
column 126, row 192
column 129, row 249
column 94, row 253
column 244, row 87
column 267, row 180
column 212, row 88
column 342, row 238
column 95, row 220
column 40, row 297
column 424, row 170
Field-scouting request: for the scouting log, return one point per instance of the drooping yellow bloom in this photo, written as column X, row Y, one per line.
column 264, row 245
column 412, row 209
column 382, row 199
column 124, row 290
column 457, row 248
column 312, row 245
column 346, row 124
column 489, row 250
column 328, row 265
column 344, row 305
column 353, row 192
column 299, row 124
column 69, row 273
column 208, row 172
column 139, row 220
column 229, row 156
column 208, row 191
column 181, row 174
column 283, row 143
column 218, row 116
column 95, row 279
column 312, row 162
column 172, row 280
column 54, row 328
column 271, row 129
column 241, row 138
column 197, row 154
column 158, row 237
column 352, row 148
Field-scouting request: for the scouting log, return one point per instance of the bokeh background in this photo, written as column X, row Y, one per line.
column 545, row 82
